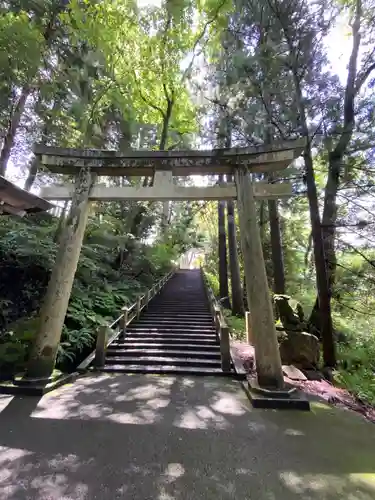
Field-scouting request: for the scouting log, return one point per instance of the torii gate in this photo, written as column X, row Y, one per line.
column 87, row 164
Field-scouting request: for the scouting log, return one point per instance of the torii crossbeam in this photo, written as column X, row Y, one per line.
column 87, row 165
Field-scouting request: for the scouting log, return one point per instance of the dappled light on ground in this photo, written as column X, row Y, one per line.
column 154, row 437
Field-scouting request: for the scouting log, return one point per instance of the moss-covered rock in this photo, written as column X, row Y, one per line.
column 299, row 348
column 289, row 312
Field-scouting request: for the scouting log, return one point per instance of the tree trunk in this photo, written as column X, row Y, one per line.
column 336, row 156
column 353, row 85
column 276, row 248
column 324, row 298
column 277, row 259
column 222, row 240
column 31, row 176
column 329, row 219
column 328, row 237
column 166, row 120
column 262, row 225
column 267, row 355
column 162, row 146
column 234, row 265
column 52, row 315
column 325, row 316
column 26, row 90
column 12, row 129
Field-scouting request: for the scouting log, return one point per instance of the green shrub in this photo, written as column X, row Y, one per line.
column 213, row 282
column 236, row 325
column 361, row 383
column 356, row 368
column 73, row 343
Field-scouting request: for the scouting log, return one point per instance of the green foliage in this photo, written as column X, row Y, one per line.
column 357, row 366
column 161, row 255
column 73, row 344
column 213, row 281
column 14, row 345
column 237, row 326
column 22, row 39
column 103, row 284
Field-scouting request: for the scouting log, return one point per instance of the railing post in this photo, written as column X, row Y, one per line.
column 216, row 313
column 249, row 331
column 225, row 349
column 147, row 297
column 124, row 320
column 101, row 341
column 138, row 307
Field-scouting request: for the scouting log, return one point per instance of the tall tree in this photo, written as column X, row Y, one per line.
column 234, row 265
column 45, row 24
column 222, row 247
column 341, row 133
column 276, row 248
column 308, row 38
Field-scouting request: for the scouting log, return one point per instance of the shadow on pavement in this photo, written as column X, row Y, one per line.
column 162, row 438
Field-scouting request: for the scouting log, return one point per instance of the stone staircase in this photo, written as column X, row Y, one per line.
column 175, row 334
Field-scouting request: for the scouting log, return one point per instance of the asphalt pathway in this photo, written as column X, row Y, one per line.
column 178, row 438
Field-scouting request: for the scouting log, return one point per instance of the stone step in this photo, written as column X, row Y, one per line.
column 156, row 360
column 171, row 336
column 168, row 340
column 189, row 304
column 155, row 327
column 178, row 311
column 162, row 352
column 179, row 308
column 178, row 322
column 196, row 301
column 165, row 369
column 182, row 334
column 212, row 341
column 175, row 334
column 188, row 325
column 177, row 314
column 170, row 345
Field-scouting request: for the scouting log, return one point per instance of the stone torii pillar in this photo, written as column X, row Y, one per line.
column 267, row 355
column 52, row 315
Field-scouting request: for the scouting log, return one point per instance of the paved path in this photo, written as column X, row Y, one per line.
column 183, row 438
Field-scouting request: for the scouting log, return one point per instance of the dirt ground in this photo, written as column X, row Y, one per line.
column 321, row 389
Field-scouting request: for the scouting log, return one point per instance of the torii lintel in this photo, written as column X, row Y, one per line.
column 181, row 163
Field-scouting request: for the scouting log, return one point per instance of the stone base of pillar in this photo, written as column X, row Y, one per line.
column 288, row 398
column 25, row 386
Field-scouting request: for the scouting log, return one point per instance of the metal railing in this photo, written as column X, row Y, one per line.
column 108, row 333
column 222, row 329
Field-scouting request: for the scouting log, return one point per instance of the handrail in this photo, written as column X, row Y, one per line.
column 222, row 329
column 128, row 314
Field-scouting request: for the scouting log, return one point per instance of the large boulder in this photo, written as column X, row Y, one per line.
column 289, row 312
column 299, row 348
